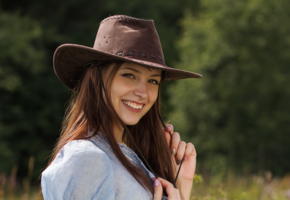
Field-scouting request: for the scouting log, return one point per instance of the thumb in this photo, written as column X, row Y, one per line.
column 157, row 190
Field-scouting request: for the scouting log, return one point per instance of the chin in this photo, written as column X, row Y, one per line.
column 131, row 122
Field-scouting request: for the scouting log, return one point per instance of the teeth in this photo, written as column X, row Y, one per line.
column 133, row 105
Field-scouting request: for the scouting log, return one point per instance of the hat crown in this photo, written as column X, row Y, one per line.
column 126, row 36
column 119, row 38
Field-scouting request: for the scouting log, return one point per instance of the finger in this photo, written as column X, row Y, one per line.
column 189, row 150
column 175, row 140
column 167, row 137
column 194, row 153
column 180, row 152
column 169, row 128
column 171, row 191
column 157, row 190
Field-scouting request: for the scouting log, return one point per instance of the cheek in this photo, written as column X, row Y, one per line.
column 115, row 95
column 119, row 89
column 153, row 96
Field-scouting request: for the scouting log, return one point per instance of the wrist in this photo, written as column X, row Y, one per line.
column 184, row 187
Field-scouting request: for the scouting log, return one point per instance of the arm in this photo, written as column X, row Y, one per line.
column 80, row 171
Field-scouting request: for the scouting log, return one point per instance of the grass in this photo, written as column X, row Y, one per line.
column 12, row 189
column 241, row 188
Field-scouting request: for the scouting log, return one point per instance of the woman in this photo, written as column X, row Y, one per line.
column 114, row 144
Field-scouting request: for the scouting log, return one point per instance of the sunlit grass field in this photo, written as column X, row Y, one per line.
column 211, row 188
column 242, row 188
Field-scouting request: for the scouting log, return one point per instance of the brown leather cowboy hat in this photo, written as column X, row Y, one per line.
column 119, row 37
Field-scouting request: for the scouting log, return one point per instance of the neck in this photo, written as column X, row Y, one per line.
column 118, row 133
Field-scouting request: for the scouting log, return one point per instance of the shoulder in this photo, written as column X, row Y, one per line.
column 79, row 171
column 80, row 148
column 80, row 155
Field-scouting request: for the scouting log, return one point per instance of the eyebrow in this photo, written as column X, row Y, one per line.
column 135, row 70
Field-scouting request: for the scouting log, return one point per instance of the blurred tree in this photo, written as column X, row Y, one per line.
column 29, row 107
column 238, row 114
column 78, row 20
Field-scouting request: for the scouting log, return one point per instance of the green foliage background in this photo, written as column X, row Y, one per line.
column 236, row 115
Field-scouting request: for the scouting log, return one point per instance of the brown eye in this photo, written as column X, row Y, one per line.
column 154, row 82
column 128, row 75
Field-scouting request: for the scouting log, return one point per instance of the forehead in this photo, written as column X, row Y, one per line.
column 140, row 67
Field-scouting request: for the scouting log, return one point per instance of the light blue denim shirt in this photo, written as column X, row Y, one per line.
column 89, row 170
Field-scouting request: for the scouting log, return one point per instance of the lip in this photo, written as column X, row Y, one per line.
column 133, row 109
column 136, row 102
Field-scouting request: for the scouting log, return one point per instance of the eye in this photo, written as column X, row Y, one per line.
column 128, row 75
column 154, row 82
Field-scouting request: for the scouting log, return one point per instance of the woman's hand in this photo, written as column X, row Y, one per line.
column 162, row 184
column 181, row 151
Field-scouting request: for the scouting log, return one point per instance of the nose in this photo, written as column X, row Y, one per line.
column 141, row 90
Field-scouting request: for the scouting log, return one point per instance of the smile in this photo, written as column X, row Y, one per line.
column 134, row 105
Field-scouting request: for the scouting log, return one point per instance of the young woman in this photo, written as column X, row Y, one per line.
column 114, row 144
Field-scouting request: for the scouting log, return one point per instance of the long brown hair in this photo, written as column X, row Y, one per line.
column 91, row 109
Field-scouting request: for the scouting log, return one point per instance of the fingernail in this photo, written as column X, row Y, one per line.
column 169, row 128
column 156, row 183
column 173, row 151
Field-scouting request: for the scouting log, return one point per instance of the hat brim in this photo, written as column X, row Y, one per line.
column 69, row 61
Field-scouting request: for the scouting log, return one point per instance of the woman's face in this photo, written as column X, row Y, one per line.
column 133, row 91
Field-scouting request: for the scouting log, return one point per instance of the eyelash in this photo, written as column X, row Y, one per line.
column 131, row 76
